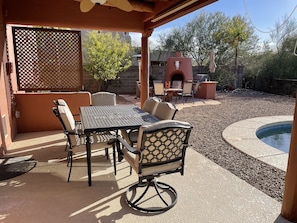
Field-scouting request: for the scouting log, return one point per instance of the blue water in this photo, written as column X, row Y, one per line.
column 277, row 136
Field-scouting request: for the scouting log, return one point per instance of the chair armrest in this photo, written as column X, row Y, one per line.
column 133, row 135
column 127, row 146
column 73, row 133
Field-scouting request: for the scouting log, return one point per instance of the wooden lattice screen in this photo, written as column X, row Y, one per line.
column 47, row 59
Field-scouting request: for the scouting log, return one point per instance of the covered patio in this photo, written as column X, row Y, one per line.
column 206, row 192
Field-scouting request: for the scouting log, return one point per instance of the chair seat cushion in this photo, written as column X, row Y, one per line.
column 133, row 161
column 155, row 170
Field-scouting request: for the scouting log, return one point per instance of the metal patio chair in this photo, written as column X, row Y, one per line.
column 103, row 98
column 187, row 91
column 163, row 111
column 76, row 137
column 160, row 150
column 159, row 90
column 149, row 106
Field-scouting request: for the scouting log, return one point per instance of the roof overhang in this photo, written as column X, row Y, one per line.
column 147, row 15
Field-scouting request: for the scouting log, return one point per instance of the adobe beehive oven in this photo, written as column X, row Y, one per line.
column 178, row 68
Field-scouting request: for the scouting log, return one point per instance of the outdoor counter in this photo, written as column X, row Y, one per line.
column 207, row 90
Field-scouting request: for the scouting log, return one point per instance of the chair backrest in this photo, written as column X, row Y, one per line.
column 103, row 98
column 176, row 84
column 61, row 102
column 150, row 104
column 165, row 110
column 69, row 123
column 159, row 88
column 168, row 139
column 57, row 114
column 187, row 88
column 196, row 88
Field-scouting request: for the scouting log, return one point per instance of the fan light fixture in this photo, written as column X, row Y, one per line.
column 87, row 5
column 99, row 1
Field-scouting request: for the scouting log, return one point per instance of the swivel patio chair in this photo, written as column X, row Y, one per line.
column 103, row 98
column 76, row 137
column 163, row 111
column 149, row 105
column 160, row 150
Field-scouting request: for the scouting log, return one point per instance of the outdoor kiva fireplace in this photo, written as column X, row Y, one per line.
column 178, row 70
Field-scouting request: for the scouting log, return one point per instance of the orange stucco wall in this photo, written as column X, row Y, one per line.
column 35, row 109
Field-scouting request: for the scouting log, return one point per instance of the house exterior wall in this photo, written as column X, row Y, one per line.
column 7, row 121
column 35, row 109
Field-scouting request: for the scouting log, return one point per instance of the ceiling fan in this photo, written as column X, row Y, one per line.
column 87, row 5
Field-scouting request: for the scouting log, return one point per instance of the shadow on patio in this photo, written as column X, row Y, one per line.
column 206, row 193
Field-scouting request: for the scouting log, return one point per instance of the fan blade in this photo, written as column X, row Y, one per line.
column 86, row 5
column 124, row 5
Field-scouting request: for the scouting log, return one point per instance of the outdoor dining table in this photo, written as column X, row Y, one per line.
column 111, row 118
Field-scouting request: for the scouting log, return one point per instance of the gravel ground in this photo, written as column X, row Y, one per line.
column 209, row 121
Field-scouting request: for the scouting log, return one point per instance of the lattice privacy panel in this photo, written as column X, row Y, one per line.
column 47, row 59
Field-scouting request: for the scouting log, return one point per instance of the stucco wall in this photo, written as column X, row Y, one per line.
column 7, row 122
column 35, row 109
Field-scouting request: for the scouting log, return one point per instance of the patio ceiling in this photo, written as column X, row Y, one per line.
column 144, row 17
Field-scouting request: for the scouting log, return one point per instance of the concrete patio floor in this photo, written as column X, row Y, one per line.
column 206, row 192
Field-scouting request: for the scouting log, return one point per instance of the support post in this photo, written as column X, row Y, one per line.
column 145, row 65
column 289, row 205
column 144, row 70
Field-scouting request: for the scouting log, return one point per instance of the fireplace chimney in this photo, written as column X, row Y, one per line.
column 178, row 68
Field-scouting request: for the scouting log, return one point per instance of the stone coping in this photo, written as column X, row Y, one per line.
column 242, row 135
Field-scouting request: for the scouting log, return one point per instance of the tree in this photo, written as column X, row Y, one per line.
column 178, row 40
column 202, row 28
column 195, row 39
column 283, row 29
column 105, row 56
column 214, row 31
column 233, row 32
column 280, row 65
column 277, row 61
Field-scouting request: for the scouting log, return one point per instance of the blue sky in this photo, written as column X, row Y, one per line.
column 263, row 14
